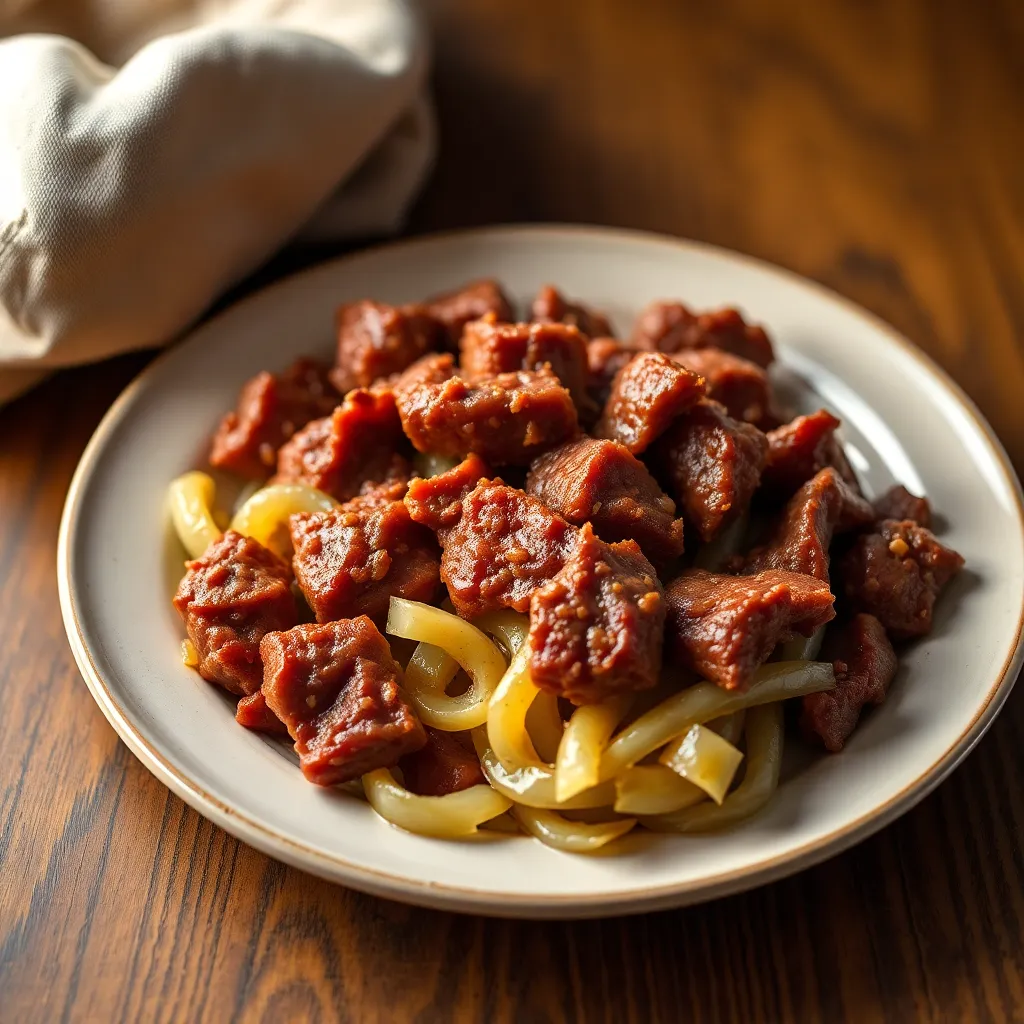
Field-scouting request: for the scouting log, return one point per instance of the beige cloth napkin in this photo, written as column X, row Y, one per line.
column 150, row 166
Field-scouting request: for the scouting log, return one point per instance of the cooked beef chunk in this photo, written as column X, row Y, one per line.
column 437, row 502
column 433, row 369
column 796, row 451
column 898, row 503
column 605, row 357
column 270, row 409
column 865, row 664
column 510, row 418
column 471, row 302
column 896, row 573
column 672, row 327
column 738, row 384
column 352, row 560
column 601, row 482
column 648, row 393
column 253, row 713
column 447, row 764
column 358, row 442
column 725, row 627
column 551, row 306
column 825, row 505
column 710, row 464
column 339, row 692
column 229, row 598
column 596, row 629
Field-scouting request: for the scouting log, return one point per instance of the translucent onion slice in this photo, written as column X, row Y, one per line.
column 545, row 726
column 654, row 789
column 698, row 704
column 467, row 645
column 448, row 816
column 189, row 654
column 428, row 464
column 264, row 516
column 729, row 727
column 704, row 758
column 571, row 836
column 764, row 734
column 430, row 668
column 190, row 500
column 510, row 627
column 802, row 648
column 506, row 715
column 586, row 735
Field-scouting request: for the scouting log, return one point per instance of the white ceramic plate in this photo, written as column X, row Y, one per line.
column 903, row 419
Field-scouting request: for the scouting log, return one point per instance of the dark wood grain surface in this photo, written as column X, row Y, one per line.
column 876, row 147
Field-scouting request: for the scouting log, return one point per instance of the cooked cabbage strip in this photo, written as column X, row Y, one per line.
column 571, row 836
column 264, row 516
column 704, row 758
column 729, row 727
column 470, row 647
column 654, row 789
column 545, row 726
column 446, row 817
column 700, row 703
column 764, row 733
column 586, row 735
column 190, row 500
column 506, row 715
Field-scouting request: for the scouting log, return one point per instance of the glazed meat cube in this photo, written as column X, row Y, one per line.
column 597, row 628
column 229, row 598
column 433, row 369
column 896, row 574
column 898, row 503
column 376, row 340
column 738, row 384
column 510, row 418
column 605, row 357
column 648, row 393
column 270, row 409
column 447, row 764
column 672, row 327
column 437, row 502
column 253, row 713
column 796, row 451
column 601, row 482
column 711, row 464
column 352, row 560
column 471, row 302
column 339, row 692
column 865, row 664
column 725, row 627
column 358, row 442
column 489, row 348
column 825, row 505
column 551, row 306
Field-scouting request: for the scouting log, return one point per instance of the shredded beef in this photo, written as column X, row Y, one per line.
column 672, row 327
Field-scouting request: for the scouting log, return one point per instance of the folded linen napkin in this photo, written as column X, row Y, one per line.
column 133, row 193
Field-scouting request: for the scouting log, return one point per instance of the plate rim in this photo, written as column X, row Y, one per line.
column 263, row 836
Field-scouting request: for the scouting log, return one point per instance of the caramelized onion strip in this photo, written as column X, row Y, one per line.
column 190, row 500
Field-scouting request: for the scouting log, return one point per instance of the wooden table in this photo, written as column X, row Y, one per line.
column 875, row 147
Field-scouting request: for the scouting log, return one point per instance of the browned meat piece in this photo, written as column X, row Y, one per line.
column 796, row 451
column 672, row 327
column 597, row 628
column 725, row 627
column 825, row 505
column 437, row 501
column 489, row 348
column 551, row 306
column 899, row 503
column 376, row 340
column 447, row 764
column 648, row 393
column 229, row 598
column 865, row 664
column 471, row 302
column 601, row 482
column 510, row 418
column 352, row 560
column 738, row 384
column 339, row 692
column 605, row 357
column 380, row 492
column 358, row 442
column 270, row 409
column 253, row 713
column 896, row 574
column 433, row 369
column 711, row 465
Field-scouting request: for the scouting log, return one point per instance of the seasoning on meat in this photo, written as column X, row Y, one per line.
column 899, row 503
column 359, row 441
column 672, row 327
column 711, row 464
column 725, row 627
column 339, row 692
column 229, row 598
column 825, row 505
column 596, row 629
column 738, row 384
column 796, row 451
column 510, row 418
column 605, row 357
column 270, row 409
column 601, row 482
column 447, row 764
column 253, row 713
column 433, row 369
column 865, row 664
column 471, row 302
column 551, row 306
column 896, row 574
column 648, row 393
column 437, row 502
